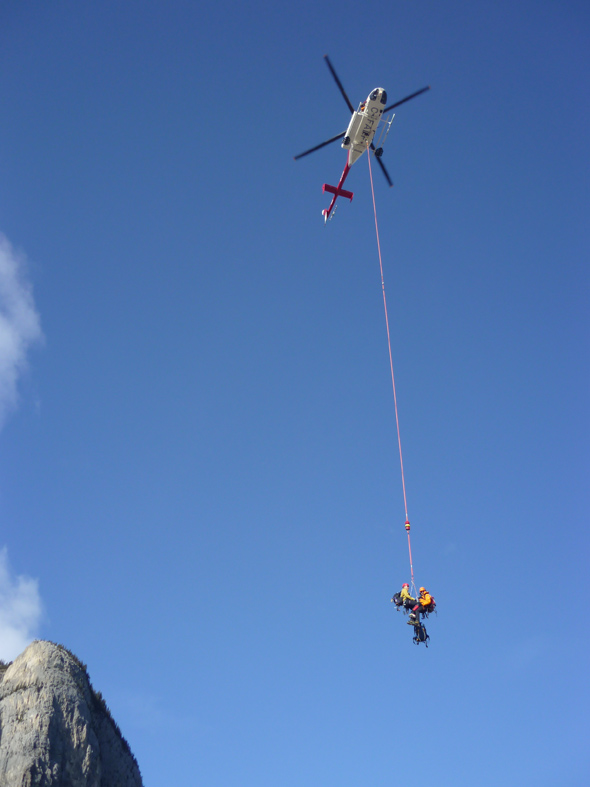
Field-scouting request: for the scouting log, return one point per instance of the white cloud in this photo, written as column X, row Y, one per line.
column 19, row 324
column 20, row 610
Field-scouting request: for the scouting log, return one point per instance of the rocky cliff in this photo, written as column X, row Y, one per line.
column 55, row 729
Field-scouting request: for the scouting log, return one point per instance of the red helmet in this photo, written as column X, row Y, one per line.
column 405, row 585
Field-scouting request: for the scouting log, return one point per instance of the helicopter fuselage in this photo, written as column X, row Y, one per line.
column 357, row 138
column 363, row 125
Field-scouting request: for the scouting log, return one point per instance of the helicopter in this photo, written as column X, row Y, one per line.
column 359, row 135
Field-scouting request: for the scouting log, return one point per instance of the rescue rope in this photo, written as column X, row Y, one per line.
column 399, row 442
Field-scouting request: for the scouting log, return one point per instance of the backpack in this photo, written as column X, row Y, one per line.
column 420, row 634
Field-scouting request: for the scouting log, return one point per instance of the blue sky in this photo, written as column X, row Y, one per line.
column 199, row 482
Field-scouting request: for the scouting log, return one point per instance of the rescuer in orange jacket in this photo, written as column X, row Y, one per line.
column 426, row 604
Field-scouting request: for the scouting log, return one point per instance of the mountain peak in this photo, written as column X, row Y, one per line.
column 55, row 729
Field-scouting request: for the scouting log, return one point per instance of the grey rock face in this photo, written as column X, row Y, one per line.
column 55, row 730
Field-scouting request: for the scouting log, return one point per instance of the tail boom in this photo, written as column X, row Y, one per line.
column 337, row 191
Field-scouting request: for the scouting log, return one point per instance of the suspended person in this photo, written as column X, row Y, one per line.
column 403, row 598
column 426, row 604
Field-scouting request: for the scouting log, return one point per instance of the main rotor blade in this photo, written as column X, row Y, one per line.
column 407, row 98
column 384, row 171
column 339, row 83
column 317, row 147
column 382, row 165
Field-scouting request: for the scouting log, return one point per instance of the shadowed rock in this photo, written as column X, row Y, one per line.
column 55, row 729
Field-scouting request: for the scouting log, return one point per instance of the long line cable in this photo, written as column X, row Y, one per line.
column 399, row 442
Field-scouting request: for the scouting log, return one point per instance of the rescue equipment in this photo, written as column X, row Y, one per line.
column 420, row 634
